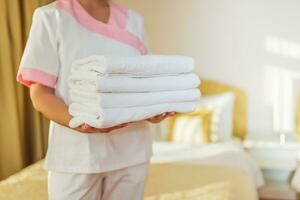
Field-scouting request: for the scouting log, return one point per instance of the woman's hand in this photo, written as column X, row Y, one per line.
column 158, row 118
column 87, row 129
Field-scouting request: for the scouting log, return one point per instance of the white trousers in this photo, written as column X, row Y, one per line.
column 122, row 184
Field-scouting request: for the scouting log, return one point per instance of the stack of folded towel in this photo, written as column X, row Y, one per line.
column 106, row 91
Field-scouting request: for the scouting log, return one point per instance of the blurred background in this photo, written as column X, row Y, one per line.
column 248, row 56
column 23, row 132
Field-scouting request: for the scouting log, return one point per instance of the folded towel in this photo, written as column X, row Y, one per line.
column 138, row 65
column 116, row 100
column 90, row 81
column 96, row 117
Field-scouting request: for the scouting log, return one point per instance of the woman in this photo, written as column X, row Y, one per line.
column 85, row 163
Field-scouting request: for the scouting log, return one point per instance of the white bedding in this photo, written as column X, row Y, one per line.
column 107, row 91
column 139, row 65
column 229, row 154
column 109, row 117
column 118, row 100
column 102, row 83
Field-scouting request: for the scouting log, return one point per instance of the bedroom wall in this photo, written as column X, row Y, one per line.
column 237, row 42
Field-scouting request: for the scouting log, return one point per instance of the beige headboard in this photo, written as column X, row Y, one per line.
column 209, row 87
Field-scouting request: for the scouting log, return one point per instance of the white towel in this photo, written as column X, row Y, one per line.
column 91, row 81
column 96, row 117
column 138, row 65
column 116, row 100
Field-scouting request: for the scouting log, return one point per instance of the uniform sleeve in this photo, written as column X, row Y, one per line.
column 40, row 62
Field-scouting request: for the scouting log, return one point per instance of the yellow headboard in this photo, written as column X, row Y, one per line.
column 209, row 87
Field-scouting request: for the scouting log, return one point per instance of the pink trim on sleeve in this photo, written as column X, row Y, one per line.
column 27, row 76
column 114, row 29
column 119, row 15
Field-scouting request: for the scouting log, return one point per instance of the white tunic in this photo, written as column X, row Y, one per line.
column 62, row 32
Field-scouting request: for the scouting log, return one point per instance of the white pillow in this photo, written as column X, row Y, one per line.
column 222, row 120
column 188, row 129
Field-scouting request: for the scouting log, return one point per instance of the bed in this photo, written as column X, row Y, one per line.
column 178, row 171
column 218, row 171
column 229, row 153
column 165, row 181
column 225, row 154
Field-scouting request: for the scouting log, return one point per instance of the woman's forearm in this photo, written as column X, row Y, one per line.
column 51, row 106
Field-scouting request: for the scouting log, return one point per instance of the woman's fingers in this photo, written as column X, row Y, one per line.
column 165, row 115
column 108, row 130
column 170, row 114
column 85, row 128
column 161, row 117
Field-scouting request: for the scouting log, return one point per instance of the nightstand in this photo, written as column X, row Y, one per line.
column 278, row 157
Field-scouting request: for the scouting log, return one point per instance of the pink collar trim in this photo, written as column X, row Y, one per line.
column 115, row 28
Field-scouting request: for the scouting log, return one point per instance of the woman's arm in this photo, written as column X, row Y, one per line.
column 53, row 108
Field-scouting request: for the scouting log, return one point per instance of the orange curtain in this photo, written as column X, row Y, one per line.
column 23, row 131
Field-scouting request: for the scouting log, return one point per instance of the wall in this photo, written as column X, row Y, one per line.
column 237, row 42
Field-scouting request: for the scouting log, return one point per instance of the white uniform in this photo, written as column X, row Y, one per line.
column 61, row 33
column 124, row 184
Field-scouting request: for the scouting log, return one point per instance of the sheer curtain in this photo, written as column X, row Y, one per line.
column 23, row 131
